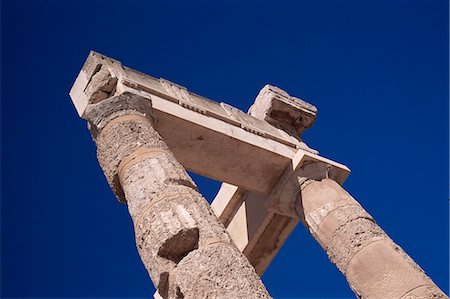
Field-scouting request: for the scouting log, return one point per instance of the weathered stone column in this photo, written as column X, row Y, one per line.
column 185, row 249
column 375, row 267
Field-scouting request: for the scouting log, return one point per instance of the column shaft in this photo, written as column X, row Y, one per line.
column 375, row 267
column 185, row 249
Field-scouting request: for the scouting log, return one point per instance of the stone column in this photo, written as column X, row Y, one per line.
column 375, row 267
column 373, row 264
column 185, row 249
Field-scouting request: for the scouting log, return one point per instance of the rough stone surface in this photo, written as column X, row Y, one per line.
column 101, row 85
column 127, row 103
column 373, row 264
column 277, row 107
column 172, row 220
column 119, row 140
column 351, row 238
column 217, row 271
column 336, row 219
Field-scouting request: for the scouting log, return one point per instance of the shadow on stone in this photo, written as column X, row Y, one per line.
column 179, row 245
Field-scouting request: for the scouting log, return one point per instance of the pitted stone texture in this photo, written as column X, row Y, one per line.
column 126, row 103
column 335, row 220
column 164, row 221
column 217, row 271
column 171, row 218
column 162, row 196
column 380, row 271
column 425, row 292
column 278, row 108
column 350, row 239
column 101, row 85
column 327, row 207
column 165, row 224
column 373, row 264
column 121, row 139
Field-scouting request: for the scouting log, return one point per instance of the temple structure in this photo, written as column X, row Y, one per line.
column 148, row 131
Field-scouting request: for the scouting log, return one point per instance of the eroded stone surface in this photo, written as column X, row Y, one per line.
column 176, row 231
column 336, row 219
column 326, row 208
column 351, row 238
column 288, row 113
column 172, row 220
column 425, row 292
column 373, row 264
column 379, row 271
column 101, row 85
column 217, row 271
column 119, row 140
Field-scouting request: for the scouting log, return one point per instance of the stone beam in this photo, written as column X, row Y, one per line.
column 209, row 138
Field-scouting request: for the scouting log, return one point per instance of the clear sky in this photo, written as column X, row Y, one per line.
column 377, row 70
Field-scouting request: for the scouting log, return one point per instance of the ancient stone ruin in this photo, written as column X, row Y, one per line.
column 148, row 131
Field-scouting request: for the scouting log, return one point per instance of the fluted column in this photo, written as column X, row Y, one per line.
column 185, row 249
column 375, row 267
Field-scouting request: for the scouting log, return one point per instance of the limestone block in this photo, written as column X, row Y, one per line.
column 283, row 111
column 238, row 227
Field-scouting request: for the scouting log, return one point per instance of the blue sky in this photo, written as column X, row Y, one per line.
column 376, row 70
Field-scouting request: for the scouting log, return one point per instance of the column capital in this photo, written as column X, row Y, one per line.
column 284, row 198
column 100, row 114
